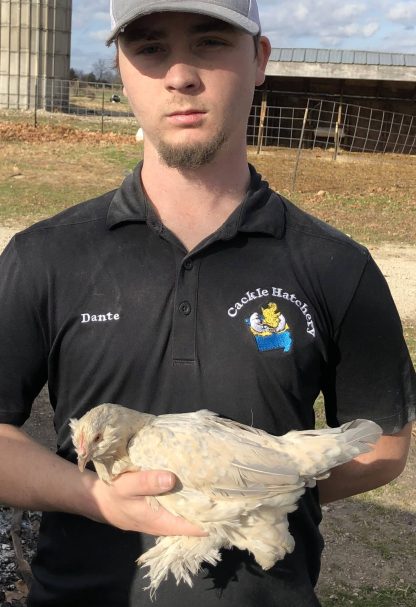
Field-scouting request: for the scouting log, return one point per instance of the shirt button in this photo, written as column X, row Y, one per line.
column 155, row 224
column 188, row 264
column 185, row 308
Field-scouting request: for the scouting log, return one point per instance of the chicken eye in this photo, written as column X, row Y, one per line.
column 97, row 438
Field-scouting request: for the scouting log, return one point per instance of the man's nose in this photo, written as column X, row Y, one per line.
column 182, row 77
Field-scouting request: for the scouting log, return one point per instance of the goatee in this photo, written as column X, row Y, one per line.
column 190, row 156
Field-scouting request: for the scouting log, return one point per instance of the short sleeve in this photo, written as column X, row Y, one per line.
column 23, row 356
column 370, row 373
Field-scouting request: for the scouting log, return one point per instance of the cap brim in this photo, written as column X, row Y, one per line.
column 191, row 6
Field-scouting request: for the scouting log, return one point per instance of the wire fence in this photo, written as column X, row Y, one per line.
column 48, row 100
column 315, row 123
column 329, row 124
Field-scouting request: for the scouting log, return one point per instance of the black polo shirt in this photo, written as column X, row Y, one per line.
column 106, row 305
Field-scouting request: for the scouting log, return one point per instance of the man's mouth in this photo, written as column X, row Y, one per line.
column 186, row 112
column 186, row 117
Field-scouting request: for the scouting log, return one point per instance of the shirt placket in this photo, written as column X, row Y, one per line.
column 185, row 311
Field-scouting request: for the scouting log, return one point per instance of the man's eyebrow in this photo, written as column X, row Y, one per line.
column 133, row 34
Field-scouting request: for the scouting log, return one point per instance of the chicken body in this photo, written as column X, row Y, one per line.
column 236, row 482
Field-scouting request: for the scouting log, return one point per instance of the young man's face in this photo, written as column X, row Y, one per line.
column 190, row 81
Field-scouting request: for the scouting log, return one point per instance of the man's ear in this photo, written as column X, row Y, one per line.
column 263, row 54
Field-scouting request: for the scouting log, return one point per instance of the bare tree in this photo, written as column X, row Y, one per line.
column 103, row 72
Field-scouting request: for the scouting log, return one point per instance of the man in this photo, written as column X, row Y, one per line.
column 146, row 297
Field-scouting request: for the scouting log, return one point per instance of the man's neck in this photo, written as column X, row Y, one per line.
column 194, row 203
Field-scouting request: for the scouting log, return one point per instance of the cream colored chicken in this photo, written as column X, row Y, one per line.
column 236, row 482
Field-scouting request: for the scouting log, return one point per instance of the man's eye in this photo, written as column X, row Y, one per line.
column 212, row 42
column 149, row 50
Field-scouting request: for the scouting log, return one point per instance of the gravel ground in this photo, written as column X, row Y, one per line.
column 13, row 591
column 398, row 264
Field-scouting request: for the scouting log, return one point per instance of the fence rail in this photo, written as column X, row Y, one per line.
column 315, row 123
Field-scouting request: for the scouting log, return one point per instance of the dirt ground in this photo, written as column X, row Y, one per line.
column 398, row 264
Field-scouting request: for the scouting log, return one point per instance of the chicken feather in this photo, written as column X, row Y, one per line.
column 236, row 482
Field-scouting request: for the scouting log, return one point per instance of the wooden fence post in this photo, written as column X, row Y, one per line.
column 336, row 137
column 35, row 117
column 102, row 109
column 263, row 112
column 295, row 172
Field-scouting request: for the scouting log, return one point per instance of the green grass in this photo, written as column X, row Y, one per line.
column 55, row 176
column 23, row 201
column 125, row 157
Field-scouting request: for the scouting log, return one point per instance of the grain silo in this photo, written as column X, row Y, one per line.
column 35, row 44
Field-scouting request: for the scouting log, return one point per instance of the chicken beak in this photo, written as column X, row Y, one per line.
column 82, row 462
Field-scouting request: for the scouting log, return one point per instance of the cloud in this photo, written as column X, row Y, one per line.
column 407, row 42
column 99, row 35
column 370, row 29
column 319, row 21
column 354, row 29
column 403, row 12
column 358, row 24
column 101, row 16
column 86, row 14
column 347, row 11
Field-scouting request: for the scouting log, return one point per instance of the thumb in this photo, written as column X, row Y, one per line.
column 146, row 482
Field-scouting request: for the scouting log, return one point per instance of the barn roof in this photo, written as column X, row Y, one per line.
column 341, row 64
column 317, row 55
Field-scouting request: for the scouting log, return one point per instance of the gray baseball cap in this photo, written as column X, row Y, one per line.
column 243, row 14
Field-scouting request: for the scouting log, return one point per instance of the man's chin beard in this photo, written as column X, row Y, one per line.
column 190, row 155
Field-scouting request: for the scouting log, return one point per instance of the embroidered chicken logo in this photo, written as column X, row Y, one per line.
column 270, row 329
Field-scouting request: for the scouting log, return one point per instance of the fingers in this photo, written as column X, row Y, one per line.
column 146, row 482
column 168, row 524
column 123, row 504
column 133, row 485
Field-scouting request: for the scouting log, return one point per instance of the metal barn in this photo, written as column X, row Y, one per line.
column 362, row 101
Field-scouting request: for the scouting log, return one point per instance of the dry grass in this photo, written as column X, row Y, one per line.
column 45, row 170
column 371, row 197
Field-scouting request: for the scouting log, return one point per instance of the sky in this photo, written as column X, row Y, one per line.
column 373, row 25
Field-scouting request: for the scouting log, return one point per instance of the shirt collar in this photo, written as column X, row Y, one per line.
column 262, row 210
column 129, row 202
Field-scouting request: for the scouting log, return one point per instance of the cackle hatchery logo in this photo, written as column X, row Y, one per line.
column 270, row 329
column 268, row 325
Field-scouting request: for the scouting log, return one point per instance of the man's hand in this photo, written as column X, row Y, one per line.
column 32, row 477
column 124, row 505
